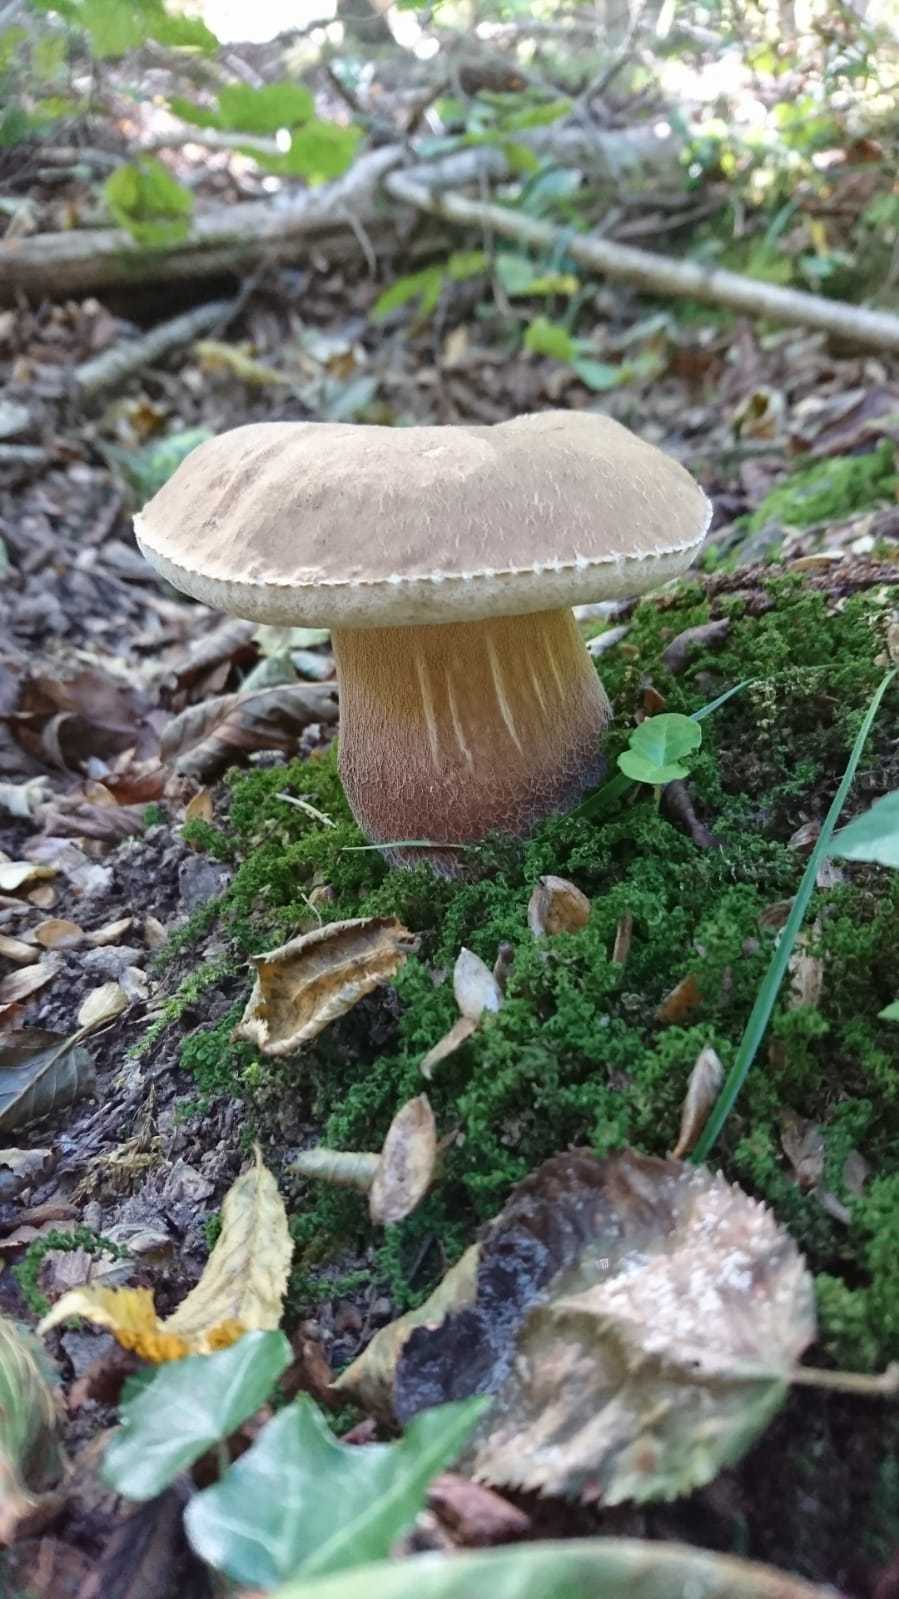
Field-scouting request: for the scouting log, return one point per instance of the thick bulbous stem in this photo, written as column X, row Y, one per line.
column 453, row 731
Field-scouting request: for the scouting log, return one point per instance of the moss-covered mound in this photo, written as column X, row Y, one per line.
column 577, row 1054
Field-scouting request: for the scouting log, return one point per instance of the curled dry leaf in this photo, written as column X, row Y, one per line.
column 303, row 986
column 30, row 1459
column 702, row 1091
column 15, row 949
column 637, row 1320
column 683, row 999
column 110, row 932
column 16, row 875
column 557, row 906
column 205, row 739
column 476, row 990
column 241, row 1289
column 20, row 985
column 199, row 807
column 58, row 933
column 101, row 1005
column 407, row 1163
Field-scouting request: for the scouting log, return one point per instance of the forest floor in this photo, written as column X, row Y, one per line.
column 158, row 861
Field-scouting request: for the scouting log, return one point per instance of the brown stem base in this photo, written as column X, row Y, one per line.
column 452, row 732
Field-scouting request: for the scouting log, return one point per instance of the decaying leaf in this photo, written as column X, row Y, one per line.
column 23, row 799
column 684, row 998
column 20, row 985
column 803, row 1144
column 101, row 1005
column 637, row 1320
column 58, row 933
column 302, row 986
column 199, row 807
column 30, row 1459
column 222, row 732
column 806, row 970
column 476, row 990
column 241, row 1289
column 110, row 932
column 624, row 934
column 702, row 1091
column 15, row 949
column 407, row 1163
column 557, row 906
column 16, row 875
column 40, row 1073
column 369, row 1380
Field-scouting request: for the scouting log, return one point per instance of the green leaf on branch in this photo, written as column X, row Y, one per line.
column 190, row 1405
column 275, row 105
column 425, row 286
column 658, row 747
column 152, row 205
column 318, row 151
column 336, row 1505
column 873, row 836
column 114, row 28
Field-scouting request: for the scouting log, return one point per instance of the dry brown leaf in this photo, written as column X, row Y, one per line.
column 58, row 933
column 683, row 999
column 207, row 738
column 557, row 906
column 20, row 985
column 624, row 934
column 101, row 1005
column 16, row 875
column 702, row 1091
column 155, row 934
column 803, row 1144
column 476, row 990
column 407, row 1163
column 806, row 970
column 638, row 1322
column 199, row 808
column 43, row 897
column 110, row 932
column 303, row 986
column 241, row 1289
column 15, row 949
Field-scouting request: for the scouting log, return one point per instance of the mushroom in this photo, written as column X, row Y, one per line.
column 445, row 561
column 398, row 1178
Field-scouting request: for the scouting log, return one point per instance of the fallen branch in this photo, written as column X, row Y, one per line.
column 122, row 360
column 658, row 274
column 229, row 238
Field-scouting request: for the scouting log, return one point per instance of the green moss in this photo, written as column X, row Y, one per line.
column 830, row 490
column 576, row 1054
column 27, row 1271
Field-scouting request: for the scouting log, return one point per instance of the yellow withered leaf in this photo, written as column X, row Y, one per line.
column 241, row 1289
column 302, row 986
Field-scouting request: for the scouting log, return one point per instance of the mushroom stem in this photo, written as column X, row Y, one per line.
column 347, row 1168
column 452, row 731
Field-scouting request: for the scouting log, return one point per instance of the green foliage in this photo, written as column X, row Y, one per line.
column 189, row 1406
column 145, row 470
column 427, row 285
column 27, row 1272
column 336, row 1507
column 830, row 490
column 657, row 748
column 872, row 836
column 544, row 337
column 317, row 150
column 153, row 206
column 114, row 28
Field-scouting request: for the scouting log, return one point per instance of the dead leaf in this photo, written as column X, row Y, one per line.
column 637, row 1320
column 557, row 906
column 303, row 986
column 692, row 641
column 30, row 1458
column 407, row 1163
column 702, row 1091
column 110, row 933
column 15, row 949
column 476, row 991
column 215, row 356
column 101, row 1005
column 805, row 837
column 803, row 1144
column 205, row 739
column 369, row 1380
column 475, row 1516
column 806, row 971
column 241, row 1289
column 40, row 1073
column 16, row 875
column 199, row 808
column 20, row 985
column 624, row 934
column 155, row 934
column 23, row 799
column 27, row 1165
column 683, row 999
column 57, row 933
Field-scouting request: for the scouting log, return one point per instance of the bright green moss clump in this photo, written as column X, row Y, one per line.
column 830, row 490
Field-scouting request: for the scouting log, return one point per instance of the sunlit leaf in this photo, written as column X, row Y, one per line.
column 550, row 338
column 873, row 836
column 658, row 747
column 144, row 198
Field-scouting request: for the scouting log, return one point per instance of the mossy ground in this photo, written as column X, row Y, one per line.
column 576, row 1055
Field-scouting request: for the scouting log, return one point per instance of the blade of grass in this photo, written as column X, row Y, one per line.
column 608, row 795
column 767, row 995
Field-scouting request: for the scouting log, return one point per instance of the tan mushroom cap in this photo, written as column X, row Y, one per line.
column 348, row 526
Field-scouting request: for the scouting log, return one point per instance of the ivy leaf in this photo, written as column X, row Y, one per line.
column 873, row 836
column 189, row 1406
column 544, row 337
column 657, row 748
column 145, row 199
column 336, row 1505
column 578, row 1568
